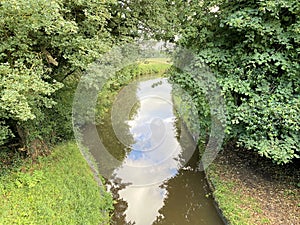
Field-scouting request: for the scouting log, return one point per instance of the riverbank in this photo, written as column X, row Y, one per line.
column 253, row 191
column 57, row 189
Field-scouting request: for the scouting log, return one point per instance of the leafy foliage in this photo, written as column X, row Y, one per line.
column 42, row 43
column 253, row 49
column 45, row 46
column 144, row 18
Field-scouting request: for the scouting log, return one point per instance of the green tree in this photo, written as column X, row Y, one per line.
column 253, row 49
column 44, row 48
column 41, row 44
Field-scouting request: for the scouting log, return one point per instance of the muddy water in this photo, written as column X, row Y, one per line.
column 155, row 180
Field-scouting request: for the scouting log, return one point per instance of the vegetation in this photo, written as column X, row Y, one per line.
column 252, row 47
column 44, row 47
column 58, row 189
column 42, row 43
column 249, row 190
column 232, row 200
column 149, row 66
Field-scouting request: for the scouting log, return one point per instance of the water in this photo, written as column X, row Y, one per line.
column 155, row 180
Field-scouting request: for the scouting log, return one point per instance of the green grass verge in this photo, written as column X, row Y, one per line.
column 57, row 189
column 236, row 207
column 228, row 200
column 153, row 66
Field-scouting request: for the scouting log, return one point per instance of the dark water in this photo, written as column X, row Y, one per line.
column 154, row 180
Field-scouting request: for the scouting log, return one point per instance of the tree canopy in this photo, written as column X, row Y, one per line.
column 253, row 49
column 41, row 43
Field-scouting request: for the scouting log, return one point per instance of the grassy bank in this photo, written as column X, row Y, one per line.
column 253, row 191
column 153, row 66
column 58, row 189
column 236, row 208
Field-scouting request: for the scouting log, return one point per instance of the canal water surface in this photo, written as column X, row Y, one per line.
column 156, row 180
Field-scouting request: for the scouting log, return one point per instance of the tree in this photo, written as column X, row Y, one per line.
column 41, row 44
column 253, row 49
column 44, row 48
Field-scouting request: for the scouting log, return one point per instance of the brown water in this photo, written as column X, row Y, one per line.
column 155, row 180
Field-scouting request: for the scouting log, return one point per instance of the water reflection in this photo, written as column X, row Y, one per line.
column 154, row 155
column 149, row 186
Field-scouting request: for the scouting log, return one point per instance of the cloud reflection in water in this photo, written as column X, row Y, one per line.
column 155, row 154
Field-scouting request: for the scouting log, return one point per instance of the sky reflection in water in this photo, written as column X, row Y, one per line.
column 156, row 182
column 154, row 156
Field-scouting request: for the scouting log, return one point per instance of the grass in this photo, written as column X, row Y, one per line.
column 228, row 199
column 153, row 66
column 57, row 189
column 157, row 66
column 236, row 207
